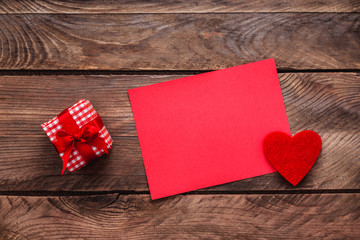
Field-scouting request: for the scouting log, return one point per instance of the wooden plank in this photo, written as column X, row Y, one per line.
column 180, row 6
column 182, row 217
column 328, row 103
column 179, row 41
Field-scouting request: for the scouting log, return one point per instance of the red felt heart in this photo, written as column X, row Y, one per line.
column 292, row 157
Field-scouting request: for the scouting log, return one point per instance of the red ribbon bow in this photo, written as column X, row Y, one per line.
column 88, row 135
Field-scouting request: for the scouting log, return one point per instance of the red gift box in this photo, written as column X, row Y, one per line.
column 79, row 135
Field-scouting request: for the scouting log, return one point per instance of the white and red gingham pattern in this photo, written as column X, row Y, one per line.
column 51, row 128
column 108, row 140
column 76, row 161
column 82, row 112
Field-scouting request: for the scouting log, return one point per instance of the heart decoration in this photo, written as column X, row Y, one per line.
column 292, row 157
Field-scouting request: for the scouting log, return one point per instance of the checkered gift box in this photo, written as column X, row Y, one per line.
column 78, row 135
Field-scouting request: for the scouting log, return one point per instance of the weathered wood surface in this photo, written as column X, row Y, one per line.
column 178, row 41
column 174, row 35
column 180, row 6
column 323, row 216
column 328, row 103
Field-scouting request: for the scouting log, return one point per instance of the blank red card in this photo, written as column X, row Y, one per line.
column 208, row 129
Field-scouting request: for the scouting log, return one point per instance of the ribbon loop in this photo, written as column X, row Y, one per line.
column 88, row 135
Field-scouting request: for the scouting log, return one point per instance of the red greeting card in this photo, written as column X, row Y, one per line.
column 208, row 129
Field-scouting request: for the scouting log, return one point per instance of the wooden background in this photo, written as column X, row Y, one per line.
column 53, row 53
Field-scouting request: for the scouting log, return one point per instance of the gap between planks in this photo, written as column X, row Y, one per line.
column 129, row 192
column 151, row 72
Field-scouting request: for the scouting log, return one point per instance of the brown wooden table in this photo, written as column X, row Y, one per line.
column 53, row 53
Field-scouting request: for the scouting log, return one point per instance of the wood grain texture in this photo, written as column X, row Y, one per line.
column 180, row 6
column 179, row 41
column 328, row 103
column 182, row 217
